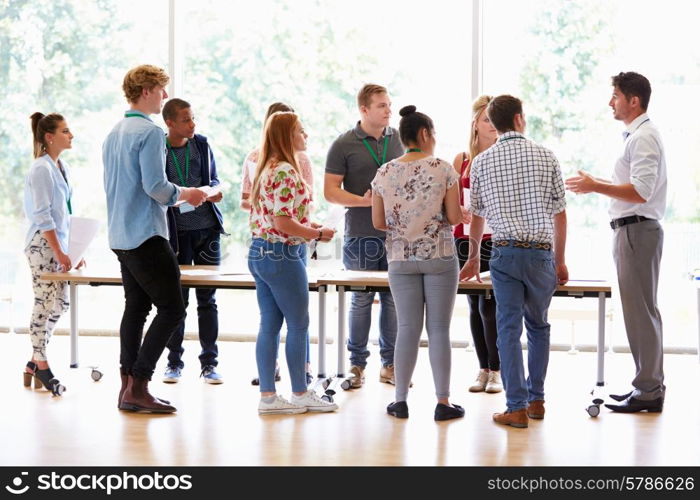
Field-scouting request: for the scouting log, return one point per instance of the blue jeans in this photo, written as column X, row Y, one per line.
column 282, row 289
column 524, row 281
column 369, row 254
column 199, row 247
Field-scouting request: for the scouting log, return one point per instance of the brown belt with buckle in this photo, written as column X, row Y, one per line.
column 523, row 244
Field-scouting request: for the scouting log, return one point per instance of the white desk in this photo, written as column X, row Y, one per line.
column 378, row 281
column 191, row 276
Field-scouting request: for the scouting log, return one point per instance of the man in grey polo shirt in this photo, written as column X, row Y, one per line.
column 638, row 201
column 352, row 163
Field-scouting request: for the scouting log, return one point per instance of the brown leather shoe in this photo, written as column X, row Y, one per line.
column 517, row 418
column 137, row 398
column 536, row 409
column 124, row 378
column 387, row 375
column 358, row 378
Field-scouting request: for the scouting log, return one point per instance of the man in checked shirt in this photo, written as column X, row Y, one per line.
column 517, row 187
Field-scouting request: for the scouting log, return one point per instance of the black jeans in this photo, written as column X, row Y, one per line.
column 150, row 276
column 199, row 247
column 482, row 311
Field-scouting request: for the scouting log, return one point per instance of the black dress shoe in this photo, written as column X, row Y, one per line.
column 445, row 412
column 632, row 405
column 620, row 397
column 398, row 409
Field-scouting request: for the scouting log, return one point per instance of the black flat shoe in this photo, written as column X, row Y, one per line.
column 398, row 409
column 632, row 405
column 620, row 397
column 446, row 412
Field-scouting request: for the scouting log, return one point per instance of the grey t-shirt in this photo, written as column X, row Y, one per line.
column 349, row 157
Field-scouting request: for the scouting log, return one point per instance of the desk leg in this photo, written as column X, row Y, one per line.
column 73, row 325
column 321, row 332
column 601, row 339
column 341, row 332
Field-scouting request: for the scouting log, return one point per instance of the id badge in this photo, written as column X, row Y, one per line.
column 186, row 207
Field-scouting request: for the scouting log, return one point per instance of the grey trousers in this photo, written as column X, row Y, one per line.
column 637, row 253
column 423, row 289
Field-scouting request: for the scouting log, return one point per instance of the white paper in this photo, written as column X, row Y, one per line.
column 82, row 231
column 467, row 205
column 333, row 218
column 209, row 190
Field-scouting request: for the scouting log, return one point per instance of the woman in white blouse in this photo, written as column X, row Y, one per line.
column 415, row 199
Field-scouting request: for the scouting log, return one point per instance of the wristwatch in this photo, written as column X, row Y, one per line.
column 320, row 235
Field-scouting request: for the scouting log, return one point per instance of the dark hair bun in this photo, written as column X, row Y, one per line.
column 407, row 110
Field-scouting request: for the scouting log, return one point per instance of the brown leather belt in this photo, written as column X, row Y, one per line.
column 527, row 245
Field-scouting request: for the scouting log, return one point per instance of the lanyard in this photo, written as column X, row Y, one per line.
column 183, row 180
column 374, row 155
column 414, row 150
column 63, row 174
column 134, row 115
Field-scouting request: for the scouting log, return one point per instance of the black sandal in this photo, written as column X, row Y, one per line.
column 51, row 383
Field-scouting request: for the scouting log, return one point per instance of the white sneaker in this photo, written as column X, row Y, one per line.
column 480, row 382
column 279, row 406
column 493, row 384
column 312, row 402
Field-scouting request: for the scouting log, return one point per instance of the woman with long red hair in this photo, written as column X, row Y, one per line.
column 280, row 224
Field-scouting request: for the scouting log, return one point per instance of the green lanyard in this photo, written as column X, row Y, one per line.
column 134, row 115
column 374, row 155
column 414, row 150
column 183, row 180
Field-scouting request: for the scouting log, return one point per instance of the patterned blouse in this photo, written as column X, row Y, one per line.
column 413, row 194
column 251, row 161
column 282, row 192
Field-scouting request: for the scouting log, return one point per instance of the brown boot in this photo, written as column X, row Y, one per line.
column 536, row 409
column 517, row 418
column 124, row 378
column 137, row 398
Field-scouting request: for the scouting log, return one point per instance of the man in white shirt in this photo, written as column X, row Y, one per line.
column 638, row 202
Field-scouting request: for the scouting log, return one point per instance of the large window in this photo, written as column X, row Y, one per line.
column 234, row 58
column 561, row 66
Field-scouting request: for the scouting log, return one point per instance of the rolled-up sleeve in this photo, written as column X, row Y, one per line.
column 476, row 205
column 152, row 163
column 645, row 154
column 558, row 190
column 41, row 187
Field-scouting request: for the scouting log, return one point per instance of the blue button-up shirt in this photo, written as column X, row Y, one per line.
column 134, row 176
column 46, row 195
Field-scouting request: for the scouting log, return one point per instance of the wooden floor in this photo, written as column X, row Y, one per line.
column 219, row 425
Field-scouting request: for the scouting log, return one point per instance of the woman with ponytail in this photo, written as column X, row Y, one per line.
column 47, row 205
column 482, row 311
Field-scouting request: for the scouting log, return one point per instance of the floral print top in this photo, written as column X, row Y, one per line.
column 282, row 192
column 413, row 194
